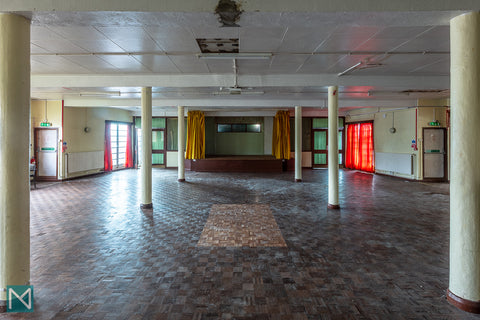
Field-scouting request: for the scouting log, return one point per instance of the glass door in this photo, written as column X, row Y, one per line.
column 158, row 147
column 320, row 151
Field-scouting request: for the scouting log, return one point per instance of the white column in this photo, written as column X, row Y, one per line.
column 298, row 144
column 14, row 152
column 333, row 148
column 181, row 144
column 464, row 283
column 146, row 148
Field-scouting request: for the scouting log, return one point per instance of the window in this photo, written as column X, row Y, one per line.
column 118, row 138
column 158, row 140
column 239, row 127
column 118, row 148
column 360, row 153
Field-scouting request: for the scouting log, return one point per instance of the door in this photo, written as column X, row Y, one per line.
column 434, row 154
column 158, row 147
column 320, row 150
column 46, row 153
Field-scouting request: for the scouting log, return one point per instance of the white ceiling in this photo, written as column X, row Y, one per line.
column 102, row 58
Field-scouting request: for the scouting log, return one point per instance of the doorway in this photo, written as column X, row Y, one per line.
column 46, row 153
column 320, row 150
column 434, row 154
column 320, row 142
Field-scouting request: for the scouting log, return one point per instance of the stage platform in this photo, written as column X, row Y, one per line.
column 235, row 164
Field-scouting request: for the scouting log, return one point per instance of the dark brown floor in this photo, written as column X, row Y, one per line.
column 96, row 255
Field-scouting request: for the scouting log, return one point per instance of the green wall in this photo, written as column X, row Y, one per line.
column 233, row 143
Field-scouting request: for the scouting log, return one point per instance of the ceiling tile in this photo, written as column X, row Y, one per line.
column 124, row 63
column 286, row 63
column 435, row 39
column 215, row 32
column 174, row 39
column 441, row 67
column 93, row 63
column 56, row 64
column 304, row 40
column 36, row 49
column 78, row 32
column 40, row 33
column 122, row 33
column 320, row 63
column 138, row 45
column 253, row 66
column 157, row 63
column 98, row 45
column 402, row 33
column 261, row 39
column 59, row 46
column 189, row 64
column 220, row 66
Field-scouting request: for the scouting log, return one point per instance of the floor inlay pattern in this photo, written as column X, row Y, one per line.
column 240, row 225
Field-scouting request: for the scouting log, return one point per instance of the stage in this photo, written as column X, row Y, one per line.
column 261, row 163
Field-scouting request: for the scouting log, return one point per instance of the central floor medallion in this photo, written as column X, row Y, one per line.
column 241, row 225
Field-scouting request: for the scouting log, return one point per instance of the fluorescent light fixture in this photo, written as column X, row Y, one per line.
column 100, row 94
column 387, row 93
column 245, row 55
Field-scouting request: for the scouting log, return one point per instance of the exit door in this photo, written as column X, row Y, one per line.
column 46, row 153
column 434, row 154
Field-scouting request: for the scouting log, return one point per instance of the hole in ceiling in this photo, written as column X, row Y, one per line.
column 218, row 45
column 228, row 12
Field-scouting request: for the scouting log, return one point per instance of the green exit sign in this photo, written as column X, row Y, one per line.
column 45, row 124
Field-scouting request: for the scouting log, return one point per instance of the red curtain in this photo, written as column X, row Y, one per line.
column 128, row 152
column 107, row 159
column 359, row 153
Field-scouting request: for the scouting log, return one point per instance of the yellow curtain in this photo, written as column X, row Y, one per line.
column 195, row 135
column 281, row 135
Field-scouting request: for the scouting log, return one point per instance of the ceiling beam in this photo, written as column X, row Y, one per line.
column 225, row 104
column 222, row 80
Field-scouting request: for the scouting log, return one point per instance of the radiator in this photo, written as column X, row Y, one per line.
column 394, row 162
column 84, row 161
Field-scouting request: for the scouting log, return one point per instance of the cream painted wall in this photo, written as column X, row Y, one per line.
column 401, row 140
column 385, row 142
column 399, row 143
column 76, row 119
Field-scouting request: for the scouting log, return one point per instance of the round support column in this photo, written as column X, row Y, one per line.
column 333, row 148
column 146, row 168
column 14, row 152
column 298, row 144
column 181, row 144
column 464, row 282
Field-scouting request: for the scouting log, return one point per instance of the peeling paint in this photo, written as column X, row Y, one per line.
column 228, row 12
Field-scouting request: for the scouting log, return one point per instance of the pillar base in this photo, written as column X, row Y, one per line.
column 146, row 206
column 298, row 180
column 333, row 206
column 181, row 180
column 3, row 306
column 463, row 304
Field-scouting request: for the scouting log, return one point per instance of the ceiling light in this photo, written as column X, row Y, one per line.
column 213, row 56
column 100, row 94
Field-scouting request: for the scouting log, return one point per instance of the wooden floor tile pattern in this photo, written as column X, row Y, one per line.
column 383, row 255
column 240, row 225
